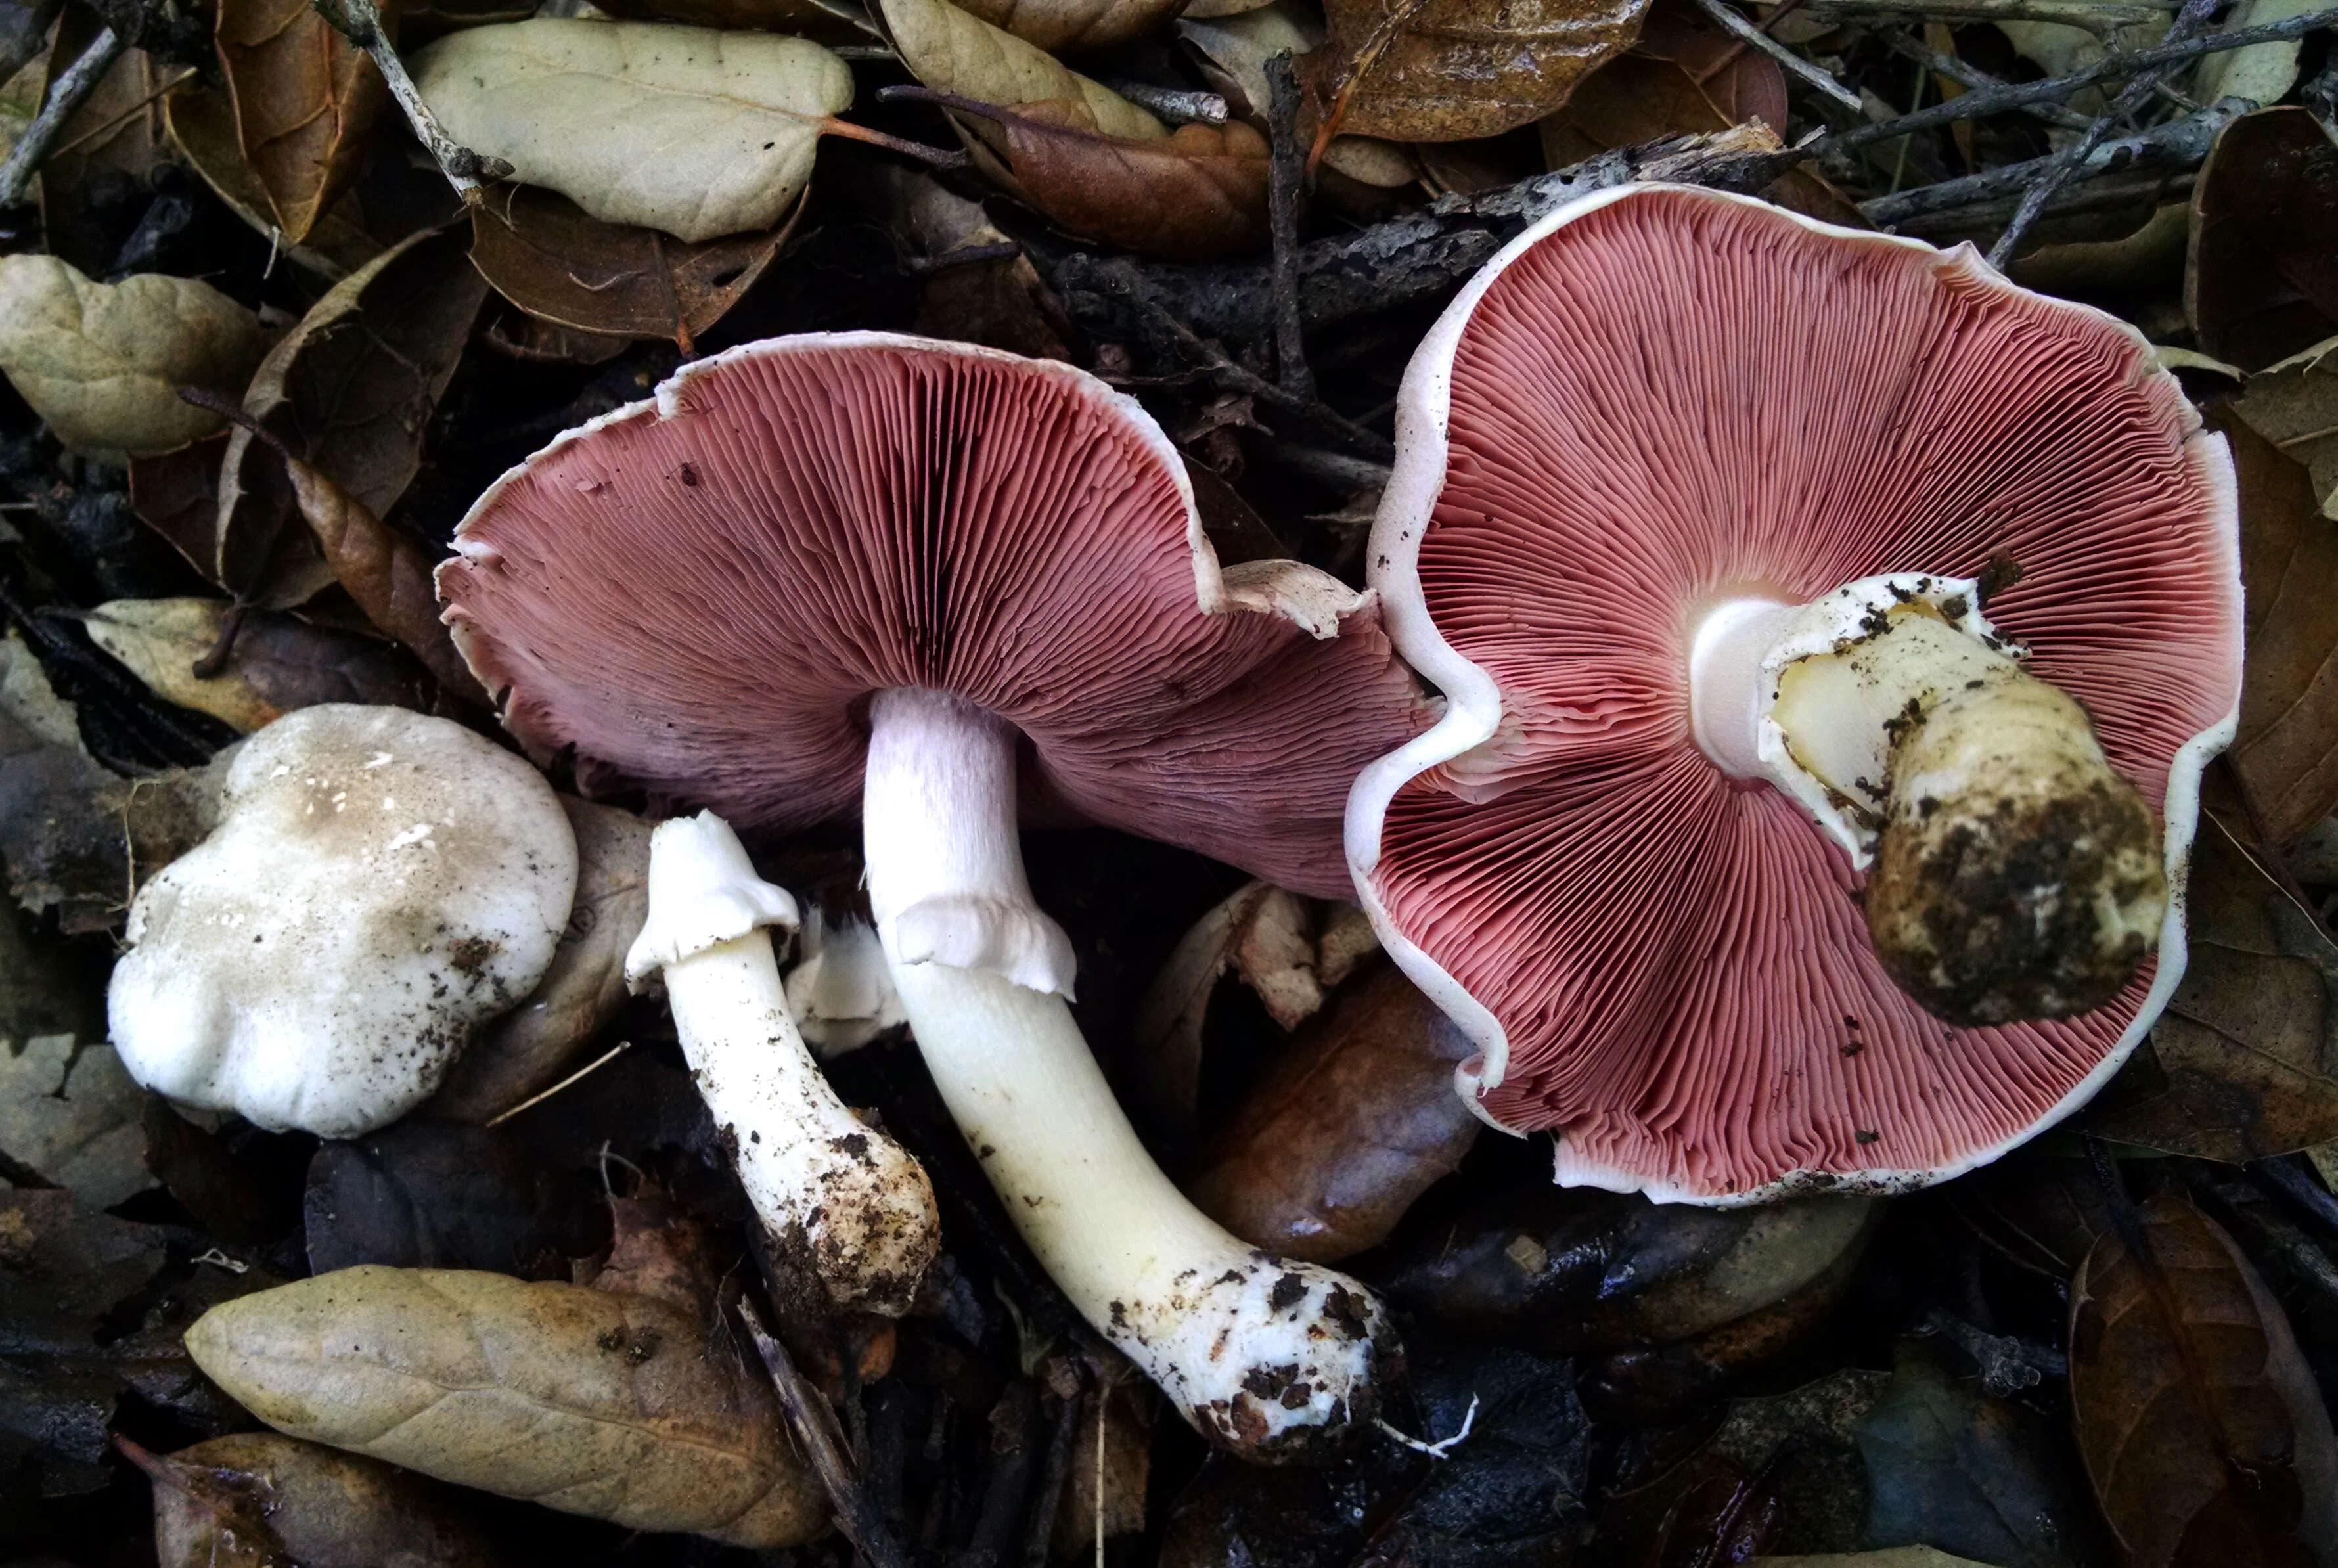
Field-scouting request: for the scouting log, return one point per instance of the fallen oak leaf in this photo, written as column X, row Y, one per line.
column 272, row 664
column 201, row 126
column 2198, row 1417
column 2259, row 282
column 618, row 1408
column 1456, row 70
column 1057, row 26
column 349, row 391
column 304, row 98
column 690, row 131
column 386, row 572
column 1195, row 195
column 951, row 52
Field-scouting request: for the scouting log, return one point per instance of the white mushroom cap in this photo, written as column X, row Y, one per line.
column 703, row 890
column 380, row 883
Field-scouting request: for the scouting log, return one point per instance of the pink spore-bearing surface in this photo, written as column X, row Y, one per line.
column 700, row 603
column 1669, row 403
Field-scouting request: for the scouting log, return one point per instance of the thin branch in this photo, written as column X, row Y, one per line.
column 468, row 172
column 80, row 79
column 1974, row 79
column 2057, row 89
column 814, row 1427
column 1752, row 37
column 2179, row 143
column 2064, row 166
column 2097, row 16
column 1178, row 105
column 1285, row 175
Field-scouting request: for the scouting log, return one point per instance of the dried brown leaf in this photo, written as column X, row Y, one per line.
column 349, row 390
column 2199, row 1420
column 1744, row 83
column 546, row 255
column 804, row 18
column 176, row 493
column 1626, row 102
column 952, row 51
column 1058, row 25
column 2244, row 1064
column 257, row 1497
column 1193, row 196
column 2262, row 280
column 619, row 1408
column 1355, row 1122
column 274, row 663
column 2294, row 406
column 1454, row 70
column 2286, row 747
column 304, row 98
column 201, row 125
column 117, row 130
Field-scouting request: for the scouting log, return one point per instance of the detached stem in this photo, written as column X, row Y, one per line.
column 466, row 170
column 81, row 79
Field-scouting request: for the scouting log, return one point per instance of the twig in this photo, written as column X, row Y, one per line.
column 117, row 120
column 1285, row 174
column 1752, row 37
column 2057, row 89
column 500, row 1117
column 2179, row 143
column 2063, row 167
column 1728, row 57
column 1972, row 78
column 1178, row 105
column 2008, row 1365
column 81, row 78
column 24, row 32
column 814, row 1427
column 2283, row 1173
column 468, row 172
column 2097, row 16
column 1241, row 379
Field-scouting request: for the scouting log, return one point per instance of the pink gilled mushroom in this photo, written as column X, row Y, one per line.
column 1696, row 506
column 863, row 569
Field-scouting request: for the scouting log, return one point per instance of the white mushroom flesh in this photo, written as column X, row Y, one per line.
column 840, row 1198
column 1267, row 1357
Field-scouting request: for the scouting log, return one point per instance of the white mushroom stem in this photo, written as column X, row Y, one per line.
column 2012, row 873
column 844, row 1199
column 1266, row 1356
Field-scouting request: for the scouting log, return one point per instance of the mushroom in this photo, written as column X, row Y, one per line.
column 840, row 992
column 380, row 883
column 847, row 1201
column 1752, row 554
column 926, row 575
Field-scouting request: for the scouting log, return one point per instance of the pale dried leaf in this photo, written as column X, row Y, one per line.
column 1060, row 24
column 952, row 51
column 2294, row 406
column 274, row 665
column 102, row 363
column 686, row 130
column 613, row 1406
column 69, row 1111
column 2262, row 73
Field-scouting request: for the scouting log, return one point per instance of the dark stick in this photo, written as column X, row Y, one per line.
column 815, row 1429
column 2064, row 165
column 1978, row 81
column 1285, row 176
column 2179, row 143
column 2283, row 1173
column 1050, row 1495
column 2057, row 89
column 1006, row 1485
column 1244, row 380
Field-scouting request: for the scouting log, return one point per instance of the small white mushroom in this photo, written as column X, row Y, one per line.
column 848, row 1200
column 380, row 883
column 840, row 992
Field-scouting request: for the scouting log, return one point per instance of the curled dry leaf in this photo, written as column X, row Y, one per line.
column 1744, row 83
column 1455, row 70
column 254, row 1496
column 1352, row 1125
column 1623, row 104
column 304, row 98
column 2294, row 406
column 1195, row 195
column 201, row 126
column 2239, row 1066
column 951, row 52
column 102, row 363
column 547, row 256
column 1058, row 25
column 526, row 1050
column 2262, row 281
column 2286, row 747
column 2198, row 1420
column 686, row 130
column 274, row 664
column 349, row 391
column 618, row 1408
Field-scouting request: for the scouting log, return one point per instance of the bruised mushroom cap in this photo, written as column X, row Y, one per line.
column 380, row 883
column 1661, row 398
column 701, row 593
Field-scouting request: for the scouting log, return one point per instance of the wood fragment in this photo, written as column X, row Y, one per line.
column 1752, row 37
column 814, row 1427
column 80, row 79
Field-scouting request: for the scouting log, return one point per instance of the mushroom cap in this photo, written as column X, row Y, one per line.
column 1659, row 399
column 700, row 593
column 702, row 891
column 380, row 883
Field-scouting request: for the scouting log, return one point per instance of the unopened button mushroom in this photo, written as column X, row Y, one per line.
column 1835, row 635
column 928, row 582
column 379, row 885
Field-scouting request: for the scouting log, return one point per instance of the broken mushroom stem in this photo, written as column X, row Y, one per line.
column 2012, row 873
column 831, row 1191
column 1268, row 1358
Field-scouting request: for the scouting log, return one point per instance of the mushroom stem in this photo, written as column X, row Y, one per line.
column 2015, row 874
column 1269, row 1358
column 846, row 1200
